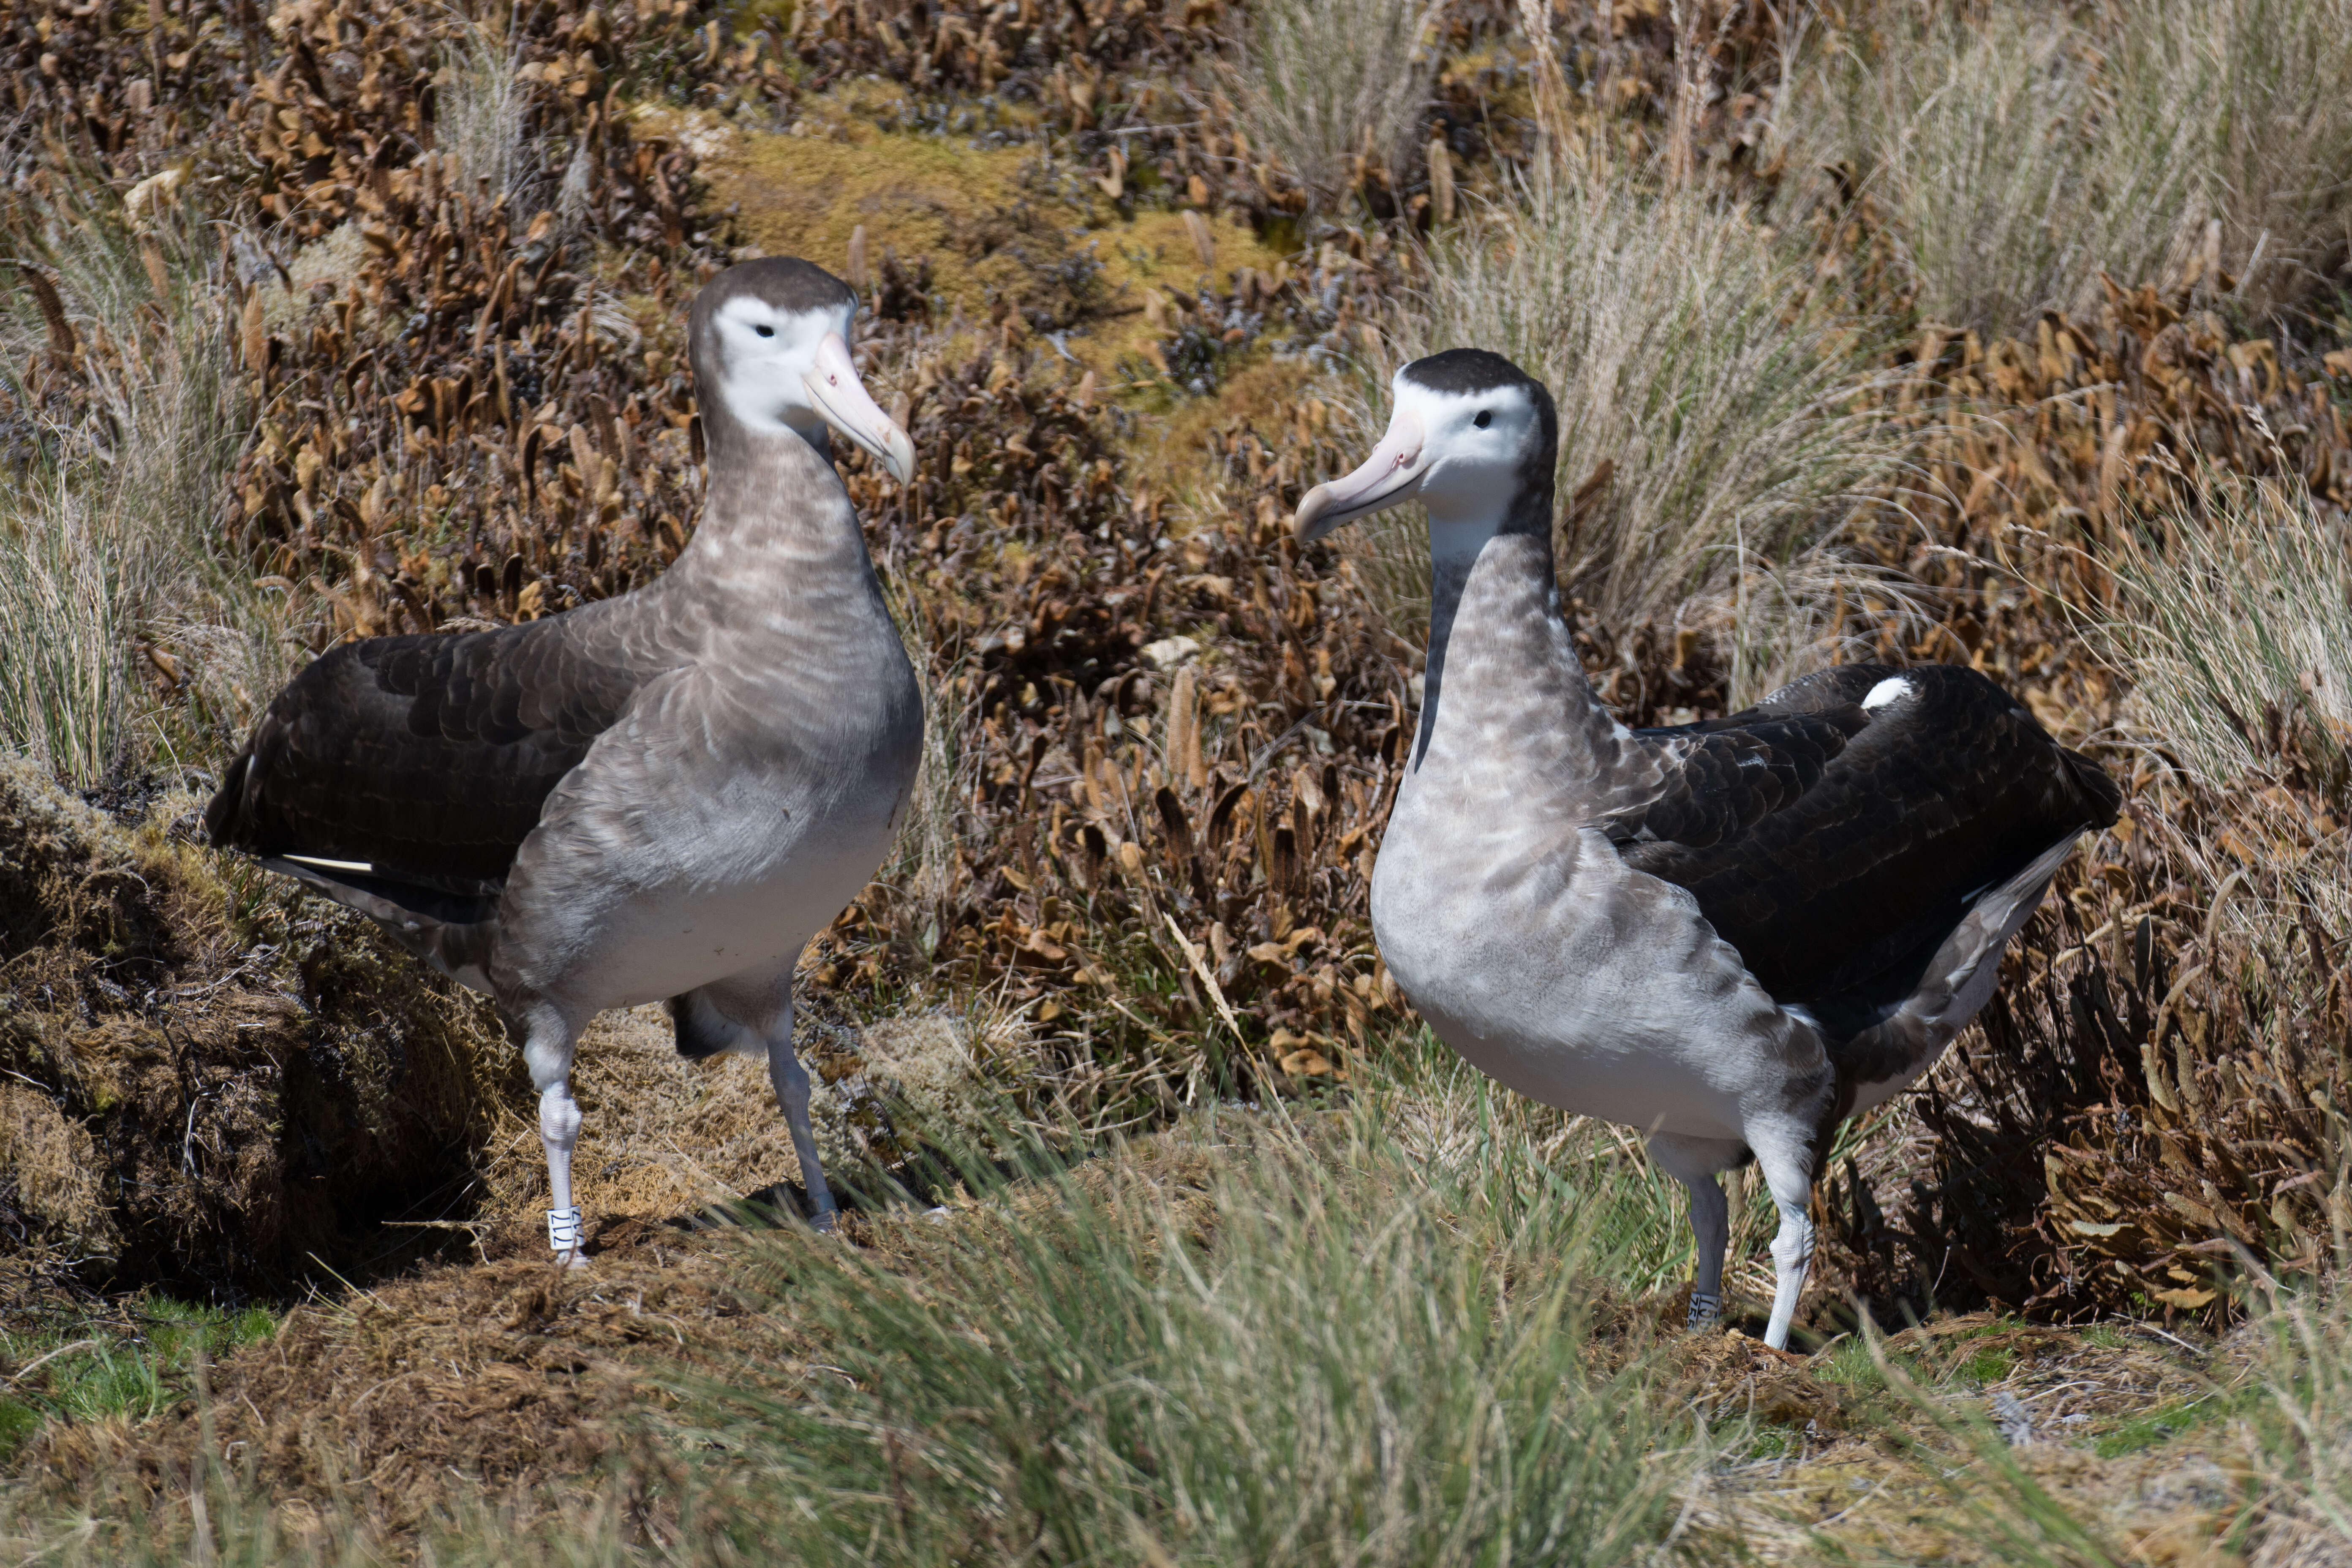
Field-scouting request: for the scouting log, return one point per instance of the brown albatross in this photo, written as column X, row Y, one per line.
column 661, row 796
column 1731, row 935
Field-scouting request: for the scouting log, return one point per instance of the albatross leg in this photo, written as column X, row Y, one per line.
column 1694, row 1162
column 549, row 1040
column 1788, row 1166
column 792, row 1081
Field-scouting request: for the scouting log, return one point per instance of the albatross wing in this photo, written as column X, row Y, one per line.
column 1839, row 896
column 413, row 768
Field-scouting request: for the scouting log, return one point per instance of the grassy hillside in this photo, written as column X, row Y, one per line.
column 1905, row 329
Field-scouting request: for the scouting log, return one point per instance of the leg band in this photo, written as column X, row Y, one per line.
column 564, row 1230
column 1706, row 1312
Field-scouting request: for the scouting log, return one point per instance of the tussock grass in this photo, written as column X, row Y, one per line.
column 2301, row 1424
column 2234, row 622
column 1334, row 89
column 2022, row 152
column 1568, row 1186
column 913, row 894
column 2266, row 87
column 478, row 117
column 1714, row 407
column 67, row 694
column 1308, row 1342
column 109, row 540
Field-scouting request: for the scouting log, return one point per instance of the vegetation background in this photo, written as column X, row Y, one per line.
column 1960, row 330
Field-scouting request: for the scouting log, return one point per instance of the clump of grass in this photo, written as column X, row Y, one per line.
column 2265, row 90
column 478, row 117
column 913, row 895
column 109, row 535
column 2023, row 152
column 2301, row 1426
column 67, row 694
column 1334, row 90
column 1562, row 1185
column 1977, row 137
column 1315, row 1345
column 2234, row 622
column 1715, row 424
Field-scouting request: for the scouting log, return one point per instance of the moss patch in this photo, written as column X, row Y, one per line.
column 994, row 231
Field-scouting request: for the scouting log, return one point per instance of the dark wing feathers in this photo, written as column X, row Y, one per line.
column 1839, row 890
column 428, row 757
column 1722, row 776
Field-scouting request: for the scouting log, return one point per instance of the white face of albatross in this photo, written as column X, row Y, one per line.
column 1462, row 432
column 777, row 345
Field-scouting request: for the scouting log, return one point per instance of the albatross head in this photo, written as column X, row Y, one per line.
column 771, row 346
column 1469, row 433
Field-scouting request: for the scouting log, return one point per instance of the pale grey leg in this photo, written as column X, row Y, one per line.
column 547, row 1050
column 792, row 1082
column 1787, row 1164
column 1694, row 1162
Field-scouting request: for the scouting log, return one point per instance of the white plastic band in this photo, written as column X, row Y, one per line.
column 1705, row 1310
column 563, row 1229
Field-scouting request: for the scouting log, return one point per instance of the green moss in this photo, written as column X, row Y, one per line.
column 18, row 1422
column 1989, row 1364
column 138, row 1365
column 2159, row 1423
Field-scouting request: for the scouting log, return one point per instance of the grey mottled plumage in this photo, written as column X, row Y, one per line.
column 1730, row 934
column 657, row 797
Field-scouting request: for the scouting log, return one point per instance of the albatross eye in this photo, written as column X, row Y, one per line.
column 764, row 329
column 1486, row 417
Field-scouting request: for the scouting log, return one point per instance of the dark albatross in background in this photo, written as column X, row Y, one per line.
column 661, row 796
column 1731, row 935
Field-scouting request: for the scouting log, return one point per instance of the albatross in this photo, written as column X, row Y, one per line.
column 656, row 797
column 1730, row 935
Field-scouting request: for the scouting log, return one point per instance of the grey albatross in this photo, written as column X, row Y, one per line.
column 1731, row 935
column 659, row 796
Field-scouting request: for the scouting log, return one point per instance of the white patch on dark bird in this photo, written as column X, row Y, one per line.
column 363, row 868
column 1894, row 689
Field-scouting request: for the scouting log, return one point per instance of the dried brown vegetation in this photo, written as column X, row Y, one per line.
column 210, row 1086
column 1168, row 738
column 445, row 258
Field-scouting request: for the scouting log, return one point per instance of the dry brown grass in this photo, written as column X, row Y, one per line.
column 1141, row 872
column 112, row 578
column 2235, row 626
column 2022, row 150
column 1335, row 93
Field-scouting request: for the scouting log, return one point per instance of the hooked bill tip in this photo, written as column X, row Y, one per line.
column 1307, row 522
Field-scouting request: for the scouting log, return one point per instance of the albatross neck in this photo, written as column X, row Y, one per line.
column 1503, row 682
column 775, row 516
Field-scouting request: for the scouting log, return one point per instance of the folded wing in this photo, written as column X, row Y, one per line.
column 1839, row 832
column 417, row 765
